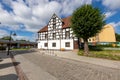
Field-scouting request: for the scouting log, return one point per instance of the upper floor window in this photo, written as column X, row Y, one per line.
column 54, row 19
column 54, row 35
column 54, row 26
column 67, row 34
column 46, row 36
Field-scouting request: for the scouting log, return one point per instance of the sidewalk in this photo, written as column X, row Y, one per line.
column 73, row 55
column 7, row 70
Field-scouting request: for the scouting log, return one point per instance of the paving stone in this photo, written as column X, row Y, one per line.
column 67, row 69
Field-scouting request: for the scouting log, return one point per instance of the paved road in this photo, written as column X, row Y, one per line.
column 63, row 69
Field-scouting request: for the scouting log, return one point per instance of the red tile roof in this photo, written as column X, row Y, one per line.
column 44, row 29
column 66, row 24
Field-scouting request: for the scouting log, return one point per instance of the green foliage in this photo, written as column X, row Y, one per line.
column 87, row 21
column 7, row 38
column 22, row 40
column 117, row 37
column 95, row 48
column 113, row 55
column 2, row 48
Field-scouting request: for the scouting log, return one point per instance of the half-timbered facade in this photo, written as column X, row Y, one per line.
column 57, row 35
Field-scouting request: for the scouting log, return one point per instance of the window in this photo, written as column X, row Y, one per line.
column 54, row 19
column 89, row 39
column 53, row 44
column 46, row 44
column 54, row 35
column 67, row 34
column 54, row 26
column 67, row 44
column 46, row 36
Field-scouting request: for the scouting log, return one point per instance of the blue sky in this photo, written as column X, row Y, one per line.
column 26, row 17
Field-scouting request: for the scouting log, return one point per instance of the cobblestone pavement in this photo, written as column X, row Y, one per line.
column 65, row 69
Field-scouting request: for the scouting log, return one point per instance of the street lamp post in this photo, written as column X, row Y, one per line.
column 9, row 46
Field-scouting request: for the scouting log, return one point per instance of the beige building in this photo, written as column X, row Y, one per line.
column 107, row 34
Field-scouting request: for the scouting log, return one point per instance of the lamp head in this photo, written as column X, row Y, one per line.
column 14, row 34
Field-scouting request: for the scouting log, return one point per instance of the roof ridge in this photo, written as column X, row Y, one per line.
column 66, row 21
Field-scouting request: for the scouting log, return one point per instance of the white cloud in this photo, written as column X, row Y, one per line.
column 109, row 14
column 30, row 38
column 4, row 33
column 111, row 4
column 115, row 24
column 6, row 17
column 34, row 14
column 21, row 10
column 18, row 37
column 68, row 6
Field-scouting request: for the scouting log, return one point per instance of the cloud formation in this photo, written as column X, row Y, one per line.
column 35, row 14
column 111, row 4
column 4, row 33
column 109, row 14
column 31, row 15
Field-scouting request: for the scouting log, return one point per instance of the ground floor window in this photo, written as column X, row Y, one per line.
column 53, row 44
column 45, row 44
column 67, row 44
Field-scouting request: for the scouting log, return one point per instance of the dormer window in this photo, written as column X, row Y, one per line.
column 63, row 23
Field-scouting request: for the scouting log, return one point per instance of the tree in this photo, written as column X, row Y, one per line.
column 86, row 22
column 23, row 40
column 117, row 37
column 6, row 38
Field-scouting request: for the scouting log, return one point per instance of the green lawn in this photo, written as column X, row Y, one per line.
column 106, row 54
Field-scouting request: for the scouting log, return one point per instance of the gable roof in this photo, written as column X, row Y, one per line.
column 66, row 24
column 44, row 29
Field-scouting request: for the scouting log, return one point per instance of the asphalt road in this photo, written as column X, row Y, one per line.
column 62, row 69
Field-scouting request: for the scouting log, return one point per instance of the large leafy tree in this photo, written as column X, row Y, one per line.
column 86, row 22
column 117, row 37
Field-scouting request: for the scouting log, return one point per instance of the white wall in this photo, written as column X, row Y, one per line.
column 71, row 44
column 41, row 44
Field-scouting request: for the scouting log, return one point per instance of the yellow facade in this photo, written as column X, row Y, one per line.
column 107, row 34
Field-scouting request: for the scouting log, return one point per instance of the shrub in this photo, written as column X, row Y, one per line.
column 2, row 48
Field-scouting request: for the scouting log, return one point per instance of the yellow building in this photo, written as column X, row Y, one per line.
column 107, row 34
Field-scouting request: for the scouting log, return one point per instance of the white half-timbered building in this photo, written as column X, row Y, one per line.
column 57, row 35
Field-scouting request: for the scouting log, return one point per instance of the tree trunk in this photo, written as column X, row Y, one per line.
column 79, row 43
column 86, row 48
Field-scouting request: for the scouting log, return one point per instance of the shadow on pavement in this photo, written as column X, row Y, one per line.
column 20, row 52
column 3, row 54
column 9, row 77
column 6, row 65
